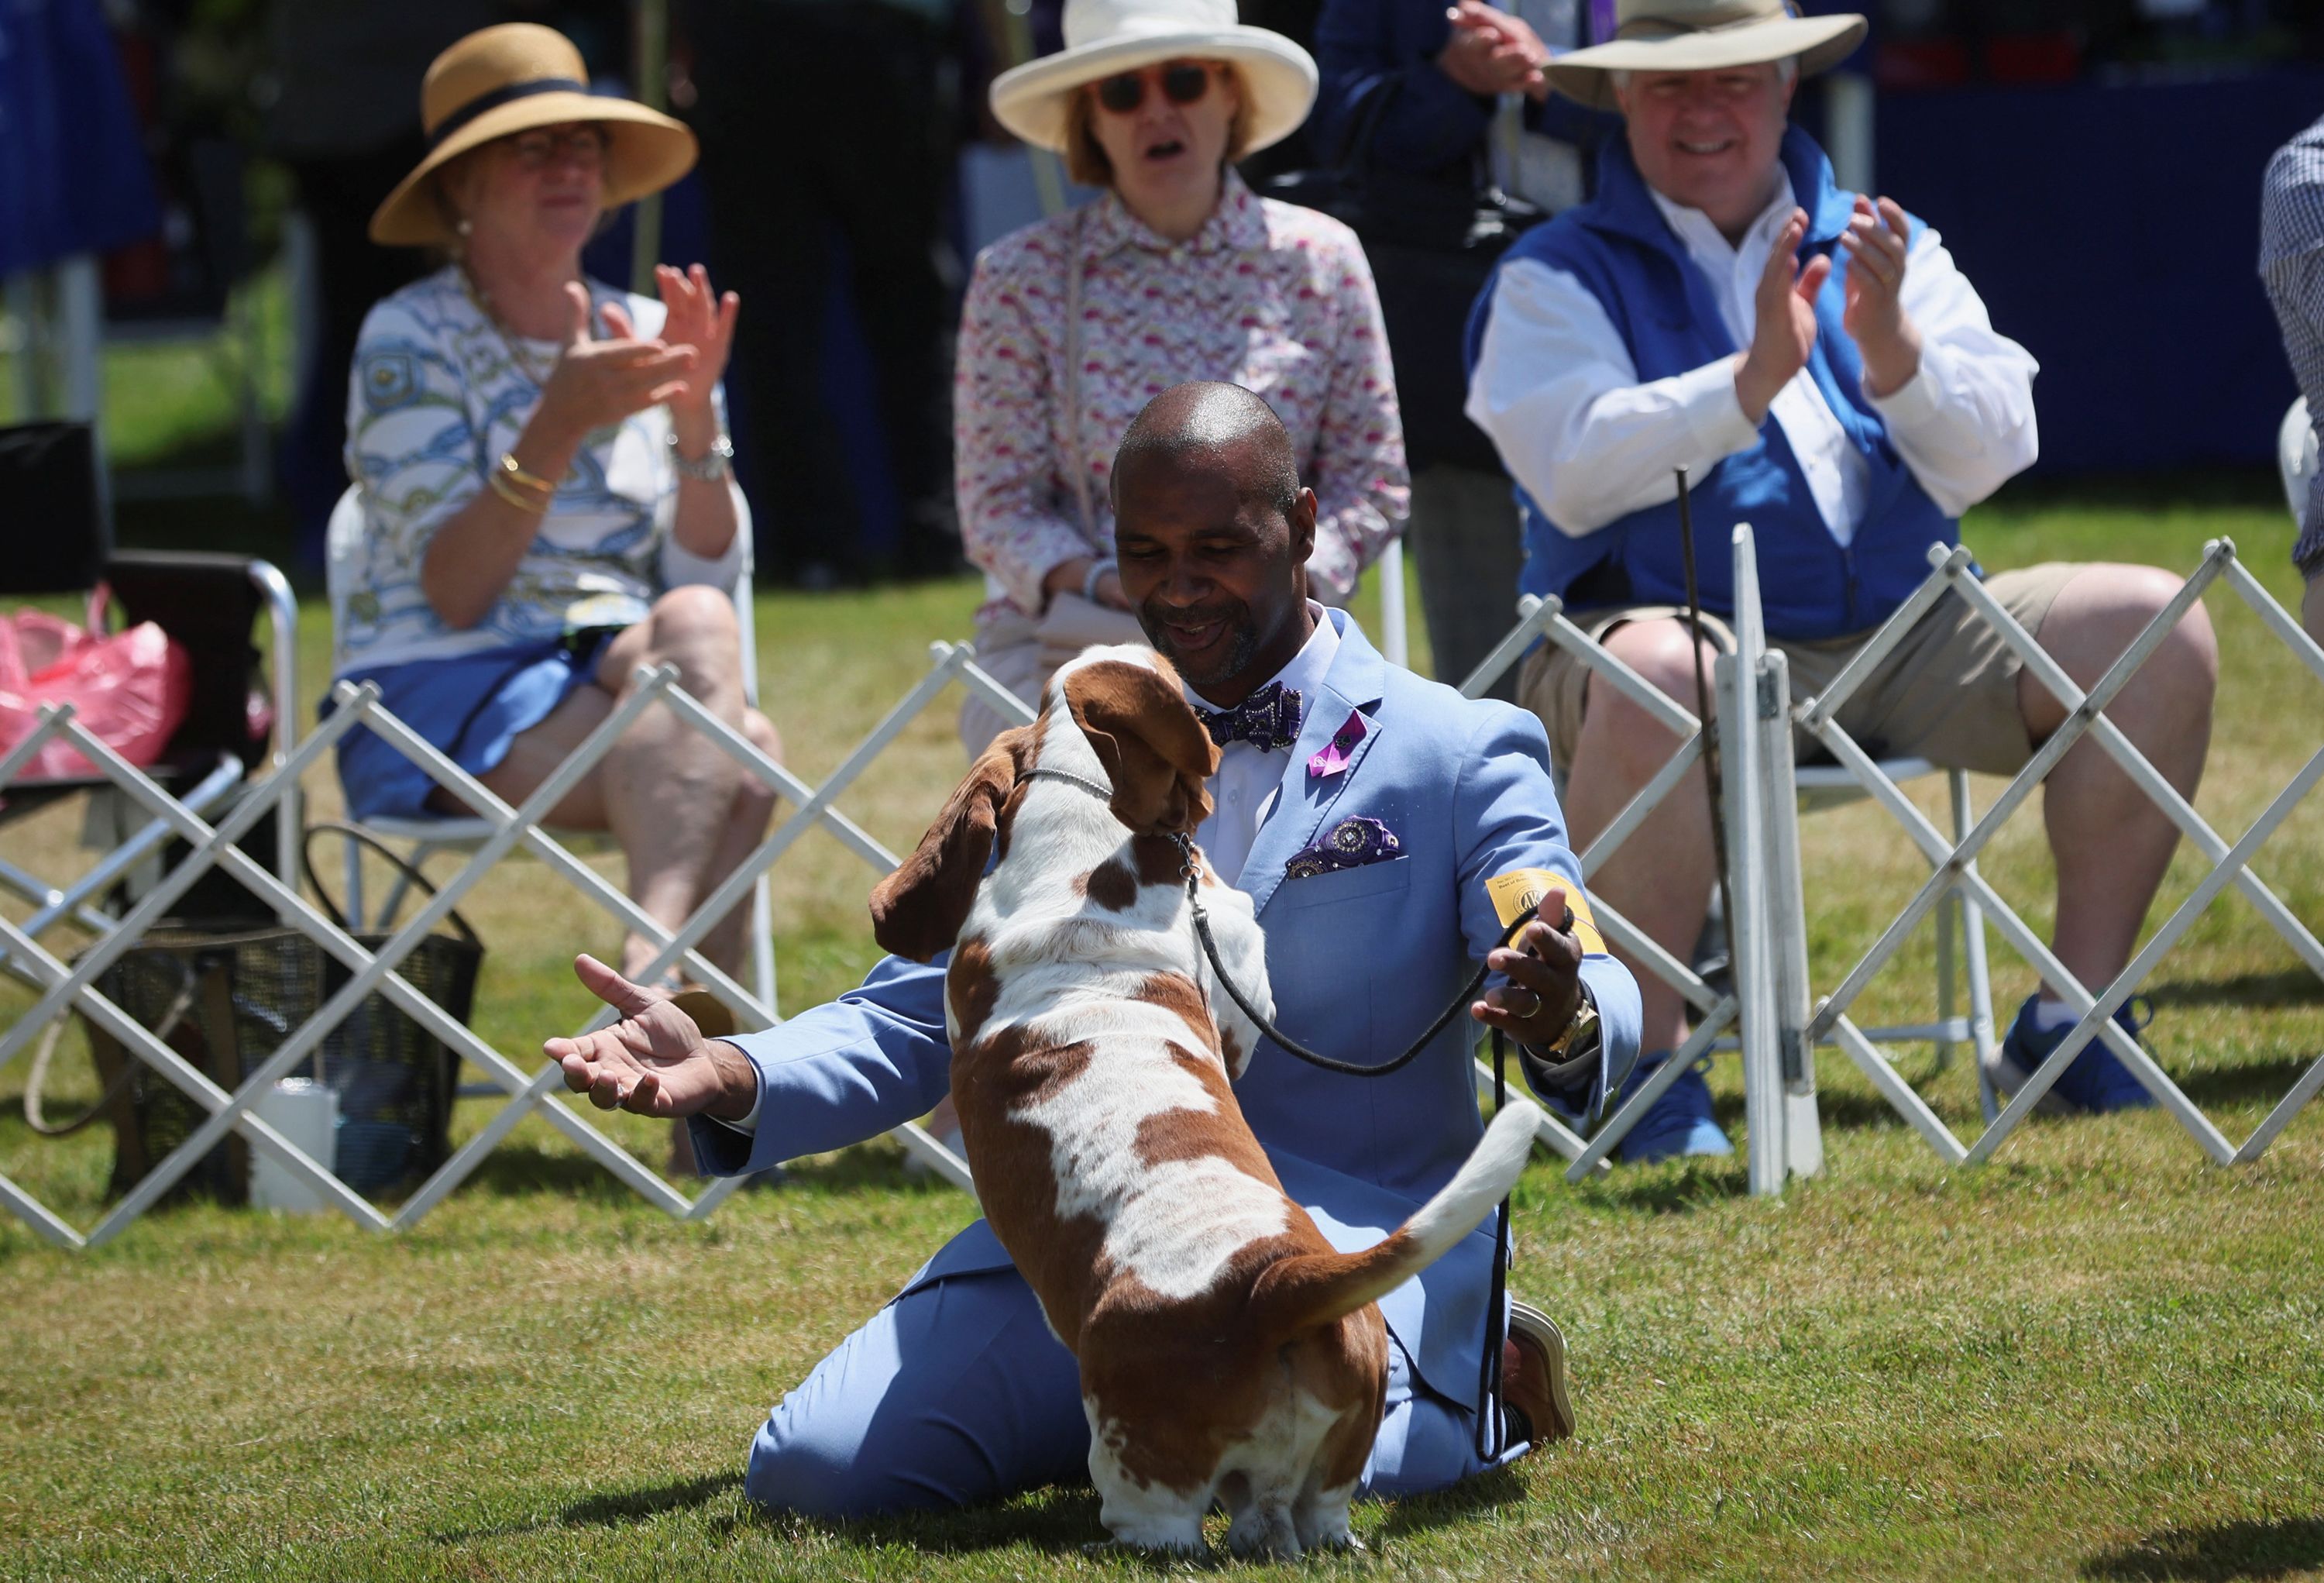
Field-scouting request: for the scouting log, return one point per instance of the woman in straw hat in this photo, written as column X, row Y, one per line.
column 541, row 461
column 1178, row 273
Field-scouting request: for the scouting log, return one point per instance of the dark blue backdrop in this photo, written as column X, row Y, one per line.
column 2113, row 230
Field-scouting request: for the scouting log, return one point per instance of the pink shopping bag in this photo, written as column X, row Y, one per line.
column 131, row 689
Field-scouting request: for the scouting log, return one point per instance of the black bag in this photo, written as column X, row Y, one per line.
column 1431, row 244
column 225, row 997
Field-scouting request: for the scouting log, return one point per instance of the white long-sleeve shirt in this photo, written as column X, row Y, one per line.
column 1556, row 390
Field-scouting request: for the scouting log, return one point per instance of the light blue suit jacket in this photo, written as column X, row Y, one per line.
column 1361, row 960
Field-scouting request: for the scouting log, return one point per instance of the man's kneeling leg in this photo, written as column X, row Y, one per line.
column 1426, row 1442
column 954, row 1394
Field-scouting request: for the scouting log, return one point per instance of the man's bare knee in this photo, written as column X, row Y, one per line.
column 2147, row 592
column 2106, row 607
column 1662, row 653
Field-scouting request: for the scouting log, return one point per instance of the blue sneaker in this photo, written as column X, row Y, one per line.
column 2095, row 1083
column 1680, row 1123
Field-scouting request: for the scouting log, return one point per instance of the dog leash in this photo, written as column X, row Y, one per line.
column 1190, row 872
column 1492, row 1425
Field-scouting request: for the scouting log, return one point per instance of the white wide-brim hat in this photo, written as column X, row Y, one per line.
column 1704, row 35
column 1107, row 37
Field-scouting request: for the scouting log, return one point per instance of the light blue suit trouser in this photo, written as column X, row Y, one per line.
column 956, row 1393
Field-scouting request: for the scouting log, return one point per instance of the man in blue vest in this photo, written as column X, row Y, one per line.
column 1825, row 373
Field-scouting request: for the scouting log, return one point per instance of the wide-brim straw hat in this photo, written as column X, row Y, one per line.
column 1107, row 37
column 510, row 78
column 1704, row 35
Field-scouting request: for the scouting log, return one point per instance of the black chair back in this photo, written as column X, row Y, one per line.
column 54, row 532
column 209, row 605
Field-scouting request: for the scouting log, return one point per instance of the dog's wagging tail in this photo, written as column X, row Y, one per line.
column 1306, row 1290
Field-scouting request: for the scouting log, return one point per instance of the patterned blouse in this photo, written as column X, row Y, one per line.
column 1267, row 295
column 435, row 395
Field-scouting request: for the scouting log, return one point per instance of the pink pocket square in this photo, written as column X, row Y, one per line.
column 1337, row 753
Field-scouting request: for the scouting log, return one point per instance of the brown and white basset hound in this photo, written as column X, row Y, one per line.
column 1227, row 1352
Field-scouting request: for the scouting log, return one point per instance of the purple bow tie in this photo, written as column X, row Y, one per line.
column 1267, row 720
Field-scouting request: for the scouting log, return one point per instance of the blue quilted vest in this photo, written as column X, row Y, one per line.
column 1811, row 586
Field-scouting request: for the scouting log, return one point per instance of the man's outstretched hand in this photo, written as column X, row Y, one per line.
column 654, row 1062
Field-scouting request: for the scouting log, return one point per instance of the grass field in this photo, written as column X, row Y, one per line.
column 2099, row 1356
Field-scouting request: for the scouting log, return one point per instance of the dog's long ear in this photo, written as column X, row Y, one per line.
column 1148, row 738
column 917, row 912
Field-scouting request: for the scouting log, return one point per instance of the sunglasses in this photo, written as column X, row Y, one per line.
column 536, row 150
column 1183, row 82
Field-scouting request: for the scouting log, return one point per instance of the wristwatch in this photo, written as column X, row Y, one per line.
column 1580, row 1035
column 712, row 467
column 1561, row 1063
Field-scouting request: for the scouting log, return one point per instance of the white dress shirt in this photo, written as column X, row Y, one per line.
column 1555, row 388
column 1249, row 783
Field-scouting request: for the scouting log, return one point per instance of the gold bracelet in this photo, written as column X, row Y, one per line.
column 508, row 492
column 514, row 473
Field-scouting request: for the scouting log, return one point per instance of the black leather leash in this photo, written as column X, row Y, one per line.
column 1492, row 1426
column 1190, row 872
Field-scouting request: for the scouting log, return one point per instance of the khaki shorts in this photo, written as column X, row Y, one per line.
column 1947, row 693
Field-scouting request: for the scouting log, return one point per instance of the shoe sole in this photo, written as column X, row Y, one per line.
column 1532, row 1329
column 709, row 1013
column 2007, row 1077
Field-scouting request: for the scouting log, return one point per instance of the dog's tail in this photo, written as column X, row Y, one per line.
column 1301, row 1292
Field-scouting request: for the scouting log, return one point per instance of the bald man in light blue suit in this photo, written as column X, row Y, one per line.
column 956, row 1392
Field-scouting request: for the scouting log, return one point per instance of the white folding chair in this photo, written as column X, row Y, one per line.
column 425, row 837
column 2295, row 456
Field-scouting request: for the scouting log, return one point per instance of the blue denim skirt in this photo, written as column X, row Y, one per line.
column 472, row 708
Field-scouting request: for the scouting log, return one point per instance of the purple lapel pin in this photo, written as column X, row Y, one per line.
column 1336, row 752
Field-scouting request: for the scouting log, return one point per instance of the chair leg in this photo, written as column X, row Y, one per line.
column 762, row 945
column 1981, row 983
column 1949, row 916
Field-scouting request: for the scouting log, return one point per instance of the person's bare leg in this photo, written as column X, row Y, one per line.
column 670, row 791
column 746, row 826
column 1661, row 878
column 533, row 756
column 2311, row 607
column 2112, row 844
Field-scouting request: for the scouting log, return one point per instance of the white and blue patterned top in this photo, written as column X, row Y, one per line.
column 2291, row 263
column 436, row 396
